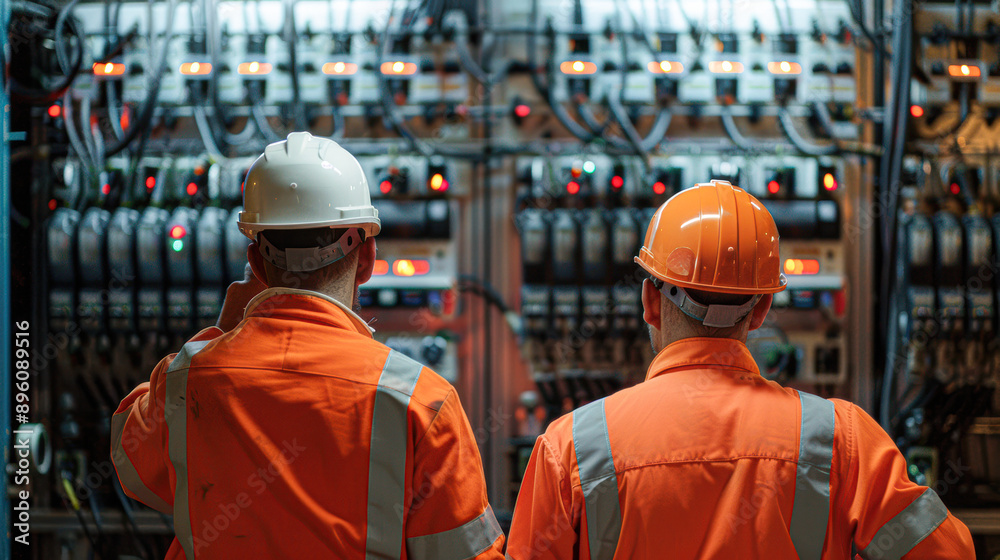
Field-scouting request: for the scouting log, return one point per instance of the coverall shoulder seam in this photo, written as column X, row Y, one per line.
column 437, row 413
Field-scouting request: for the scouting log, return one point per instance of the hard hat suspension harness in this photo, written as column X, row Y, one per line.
column 715, row 315
column 308, row 259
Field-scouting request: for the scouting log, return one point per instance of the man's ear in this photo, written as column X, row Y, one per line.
column 366, row 262
column 256, row 261
column 760, row 311
column 651, row 304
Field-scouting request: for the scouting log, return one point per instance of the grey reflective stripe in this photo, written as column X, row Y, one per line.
column 175, row 413
column 597, row 480
column 387, row 456
column 461, row 543
column 905, row 531
column 811, row 509
column 127, row 473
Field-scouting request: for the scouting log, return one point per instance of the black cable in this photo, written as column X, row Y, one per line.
column 145, row 118
column 73, row 505
column 469, row 283
column 801, row 144
column 859, row 20
column 257, row 112
column 389, row 106
column 147, row 553
column 558, row 110
column 70, row 71
column 597, row 129
column 742, row 142
column 212, row 39
column 487, row 168
column 894, row 138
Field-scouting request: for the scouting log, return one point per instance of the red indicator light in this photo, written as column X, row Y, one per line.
column 150, row 182
column 55, row 111
column 53, row 204
column 773, row 187
column 522, row 111
column 829, row 182
column 659, row 187
column 385, row 186
column 192, row 189
column 572, row 187
column 801, row 266
column 916, row 111
column 407, row 267
column 381, row 268
column 955, row 189
column 177, row 232
column 438, row 182
column 617, row 182
column 106, row 189
column 124, row 120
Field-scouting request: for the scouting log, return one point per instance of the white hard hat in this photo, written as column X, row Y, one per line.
column 306, row 182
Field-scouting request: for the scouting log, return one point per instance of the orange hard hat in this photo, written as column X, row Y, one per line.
column 714, row 237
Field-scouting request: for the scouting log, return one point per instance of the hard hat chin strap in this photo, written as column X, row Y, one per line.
column 308, row 259
column 716, row 315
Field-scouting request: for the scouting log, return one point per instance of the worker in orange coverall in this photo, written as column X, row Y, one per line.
column 287, row 431
column 705, row 458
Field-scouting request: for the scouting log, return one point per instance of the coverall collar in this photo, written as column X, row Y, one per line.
column 702, row 352
column 350, row 319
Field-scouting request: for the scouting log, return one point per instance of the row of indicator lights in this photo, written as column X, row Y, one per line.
column 255, row 68
column 402, row 267
column 617, row 182
column 55, row 111
column 781, row 67
column 191, row 189
column 579, row 67
column 436, row 183
column 829, row 184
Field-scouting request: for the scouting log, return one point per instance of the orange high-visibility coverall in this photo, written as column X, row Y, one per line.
column 296, row 435
column 706, row 459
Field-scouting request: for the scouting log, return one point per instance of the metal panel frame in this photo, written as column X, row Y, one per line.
column 5, row 293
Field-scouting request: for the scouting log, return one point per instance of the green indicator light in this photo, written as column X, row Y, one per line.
column 178, row 245
column 589, row 166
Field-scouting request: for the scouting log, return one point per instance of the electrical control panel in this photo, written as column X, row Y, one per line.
column 516, row 153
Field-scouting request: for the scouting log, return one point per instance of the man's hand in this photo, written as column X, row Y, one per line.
column 238, row 295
